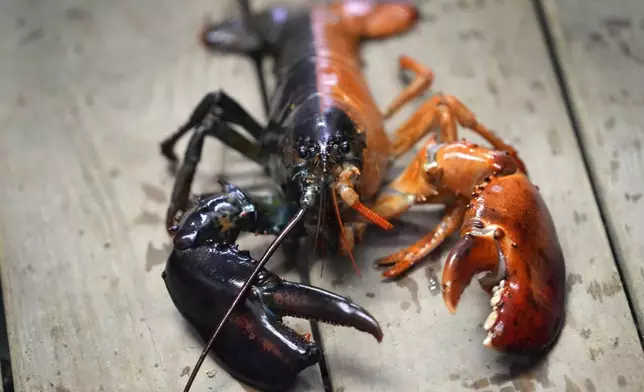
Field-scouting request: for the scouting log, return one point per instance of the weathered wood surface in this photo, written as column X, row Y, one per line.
column 602, row 56
column 92, row 88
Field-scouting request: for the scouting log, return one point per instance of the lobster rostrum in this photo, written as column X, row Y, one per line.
column 325, row 148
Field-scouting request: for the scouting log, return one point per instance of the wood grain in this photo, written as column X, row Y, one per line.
column 602, row 56
column 93, row 88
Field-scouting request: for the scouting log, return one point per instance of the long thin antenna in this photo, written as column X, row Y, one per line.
column 267, row 255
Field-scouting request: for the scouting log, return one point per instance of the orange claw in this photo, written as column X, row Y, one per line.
column 506, row 230
column 509, row 233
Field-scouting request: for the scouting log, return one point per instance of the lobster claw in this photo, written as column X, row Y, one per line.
column 471, row 256
column 508, row 237
column 254, row 345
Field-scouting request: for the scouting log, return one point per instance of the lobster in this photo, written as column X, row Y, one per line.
column 326, row 149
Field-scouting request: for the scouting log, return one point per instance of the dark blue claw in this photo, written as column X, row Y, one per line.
column 254, row 346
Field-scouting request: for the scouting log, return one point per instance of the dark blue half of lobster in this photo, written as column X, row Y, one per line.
column 324, row 139
column 254, row 346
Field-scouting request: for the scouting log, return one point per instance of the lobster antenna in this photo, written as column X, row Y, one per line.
column 267, row 255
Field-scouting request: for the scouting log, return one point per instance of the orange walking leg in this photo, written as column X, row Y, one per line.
column 408, row 257
column 467, row 119
column 451, row 111
column 422, row 83
column 421, row 122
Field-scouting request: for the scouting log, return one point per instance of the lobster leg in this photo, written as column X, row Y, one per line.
column 215, row 109
column 450, row 111
column 406, row 258
column 234, row 36
column 210, row 118
column 424, row 78
column 413, row 187
column 467, row 119
column 245, row 36
column 446, row 107
column 421, row 122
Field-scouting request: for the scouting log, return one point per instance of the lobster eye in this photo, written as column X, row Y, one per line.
column 303, row 152
column 345, row 148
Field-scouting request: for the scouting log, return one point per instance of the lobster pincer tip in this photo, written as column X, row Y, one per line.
column 458, row 271
column 451, row 300
column 308, row 302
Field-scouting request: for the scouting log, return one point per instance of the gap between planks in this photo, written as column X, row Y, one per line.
column 557, row 29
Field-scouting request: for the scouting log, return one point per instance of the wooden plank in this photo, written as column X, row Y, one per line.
column 602, row 56
column 93, row 88
column 491, row 55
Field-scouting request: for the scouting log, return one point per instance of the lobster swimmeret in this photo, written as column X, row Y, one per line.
column 326, row 149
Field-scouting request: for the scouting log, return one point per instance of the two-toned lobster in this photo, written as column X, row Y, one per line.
column 326, row 148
